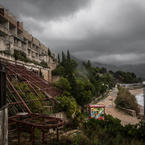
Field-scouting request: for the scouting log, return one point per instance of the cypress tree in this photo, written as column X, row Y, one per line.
column 58, row 58
column 89, row 64
column 63, row 59
column 68, row 55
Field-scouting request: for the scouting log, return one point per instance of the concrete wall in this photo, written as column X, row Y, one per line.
column 2, row 45
column 34, row 49
column 61, row 115
column 4, row 126
column 45, row 74
column 36, row 41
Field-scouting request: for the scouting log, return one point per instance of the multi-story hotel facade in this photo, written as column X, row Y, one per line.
column 14, row 37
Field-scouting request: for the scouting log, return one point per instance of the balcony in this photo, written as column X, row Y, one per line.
column 20, row 25
column 4, row 29
column 8, row 16
column 13, row 33
column 2, row 11
column 20, row 38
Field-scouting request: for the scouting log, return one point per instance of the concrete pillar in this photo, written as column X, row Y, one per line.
column 49, row 75
column 4, row 126
column 3, row 108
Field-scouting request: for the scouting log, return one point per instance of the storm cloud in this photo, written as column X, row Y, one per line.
column 107, row 31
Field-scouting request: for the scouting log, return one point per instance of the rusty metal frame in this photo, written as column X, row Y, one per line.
column 29, row 121
column 35, row 83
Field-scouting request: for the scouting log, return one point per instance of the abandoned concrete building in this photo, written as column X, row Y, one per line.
column 13, row 37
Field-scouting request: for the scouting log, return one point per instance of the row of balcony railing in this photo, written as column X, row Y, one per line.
column 4, row 29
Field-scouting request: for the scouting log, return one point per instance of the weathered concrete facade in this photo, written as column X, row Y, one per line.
column 4, row 126
column 14, row 37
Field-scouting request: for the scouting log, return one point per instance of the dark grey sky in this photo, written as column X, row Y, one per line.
column 108, row 31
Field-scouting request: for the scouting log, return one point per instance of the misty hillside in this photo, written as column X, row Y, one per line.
column 138, row 69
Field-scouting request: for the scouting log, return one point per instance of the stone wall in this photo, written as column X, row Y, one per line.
column 2, row 45
column 45, row 74
column 4, row 126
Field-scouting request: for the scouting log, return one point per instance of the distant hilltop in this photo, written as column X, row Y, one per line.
column 138, row 69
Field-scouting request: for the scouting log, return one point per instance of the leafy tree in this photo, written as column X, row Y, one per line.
column 126, row 100
column 68, row 104
column 49, row 52
column 68, row 55
column 59, row 71
column 83, row 92
column 63, row 59
column 63, row 84
column 58, row 58
column 110, row 131
column 103, row 70
column 126, row 77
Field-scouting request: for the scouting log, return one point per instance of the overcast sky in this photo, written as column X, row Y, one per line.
column 107, row 31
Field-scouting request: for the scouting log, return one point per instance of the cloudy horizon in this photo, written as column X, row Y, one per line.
column 110, row 32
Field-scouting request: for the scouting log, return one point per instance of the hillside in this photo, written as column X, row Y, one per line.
column 138, row 69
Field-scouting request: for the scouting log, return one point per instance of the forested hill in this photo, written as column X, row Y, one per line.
column 83, row 81
column 138, row 69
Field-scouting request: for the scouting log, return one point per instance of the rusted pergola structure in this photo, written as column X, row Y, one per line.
column 29, row 122
column 27, row 94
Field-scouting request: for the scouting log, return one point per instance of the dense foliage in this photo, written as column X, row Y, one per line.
column 126, row 100
column 82, row 82
column 106, row 132
column 110, row 131
column 20, row 55
column 100, row 78
column 81, row 90
column 126, row 77
column 35, row 102
column 68, row 104
column 43, row 64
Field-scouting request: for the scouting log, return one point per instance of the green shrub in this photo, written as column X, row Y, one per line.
column 49, row 52
column 20, row 55
column 58, row 71
column 34, row 102
column 63, row 84
column 7, row 52
column 110, row 131
column 67, row 104
column 126, row 100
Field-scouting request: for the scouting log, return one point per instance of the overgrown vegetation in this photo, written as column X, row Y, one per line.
column 110, row 131
column 35, row 102
column 20, row 55
column 43, row 63
column 106, row 132
column 68, row 104
column 79, row 85
column 49, row 52
column 82, row 82
column 126, row 100
column 126, row 77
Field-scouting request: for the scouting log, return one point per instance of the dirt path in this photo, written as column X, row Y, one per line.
column 110, row 109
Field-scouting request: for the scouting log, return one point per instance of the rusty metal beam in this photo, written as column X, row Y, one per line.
column 27, row 108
